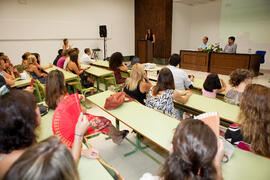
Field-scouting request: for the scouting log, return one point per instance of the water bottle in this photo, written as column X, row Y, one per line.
column 249, row 51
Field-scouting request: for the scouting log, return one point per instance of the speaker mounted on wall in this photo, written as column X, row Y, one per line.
column 103, row 31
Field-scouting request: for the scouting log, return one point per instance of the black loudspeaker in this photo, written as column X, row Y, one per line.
column 103, row 31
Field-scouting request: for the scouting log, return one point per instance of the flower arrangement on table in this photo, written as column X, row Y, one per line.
column 213, row 48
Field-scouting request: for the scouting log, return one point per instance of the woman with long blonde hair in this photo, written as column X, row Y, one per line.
column 138, row 84
column 253, row 132
column 33, row 69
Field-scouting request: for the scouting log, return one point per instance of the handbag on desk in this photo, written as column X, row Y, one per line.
column 115, row 100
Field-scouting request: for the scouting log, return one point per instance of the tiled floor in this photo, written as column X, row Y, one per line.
column 134, row 166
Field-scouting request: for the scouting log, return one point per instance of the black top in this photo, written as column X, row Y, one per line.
column 70, row 70
column 150, row 37
column 136, row 94
column 56, row 60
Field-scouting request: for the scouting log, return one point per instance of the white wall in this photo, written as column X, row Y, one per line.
column 40, row 26
column 205, row 22
column 181, row 27
column 221, row 19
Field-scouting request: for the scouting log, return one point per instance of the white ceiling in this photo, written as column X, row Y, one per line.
column 193, row 2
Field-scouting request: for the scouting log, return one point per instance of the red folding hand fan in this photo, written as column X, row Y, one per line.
column 66, row 116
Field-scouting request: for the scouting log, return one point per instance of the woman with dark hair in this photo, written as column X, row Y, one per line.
column 239, row 79
column 56, row 92
column 253, row 132
column 41, row 162
column 212, row 86
column 55, row 88
column 150, row 36
column 19, row 117
column 196, row 153
column 65, row 57
column 162, row 95
column 25, row 57
column 8, row 67
column 116, row 64
column 66, row 46
column 59, row 55
column 74, row 67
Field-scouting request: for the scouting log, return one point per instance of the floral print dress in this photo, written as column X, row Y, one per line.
column 163, row 102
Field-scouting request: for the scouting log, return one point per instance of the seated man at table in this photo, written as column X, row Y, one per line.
column 231, row 46
column 205, row 44
column 86, row 58
column 181, row 79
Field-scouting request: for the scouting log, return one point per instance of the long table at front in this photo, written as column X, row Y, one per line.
column 159, row 128
column 88, row 168
column 220, row 63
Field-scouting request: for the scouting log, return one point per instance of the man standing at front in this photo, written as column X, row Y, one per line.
column 205, row 44
column 231, row 46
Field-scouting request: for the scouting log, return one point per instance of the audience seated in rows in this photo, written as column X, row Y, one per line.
column 74, row 67
column 20, row 118
column 56, row 92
